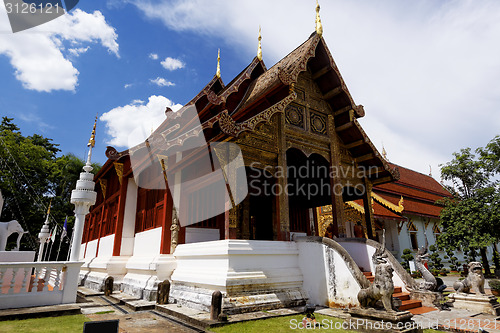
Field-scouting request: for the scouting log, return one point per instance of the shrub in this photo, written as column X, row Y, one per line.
column 416, row 274
column 494, row 284
column 435, row 259
column 407, row 257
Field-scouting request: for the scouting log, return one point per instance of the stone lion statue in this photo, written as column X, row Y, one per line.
column 7, row 229
column 382, row 289
column 475, row 280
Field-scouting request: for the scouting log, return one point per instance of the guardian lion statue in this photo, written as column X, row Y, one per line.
column 382, row 289
column 7, row 229
column 475, row 280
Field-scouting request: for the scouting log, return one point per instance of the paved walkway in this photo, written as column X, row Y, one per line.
column 142, row 316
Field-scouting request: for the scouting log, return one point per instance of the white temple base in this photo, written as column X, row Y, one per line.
column 251, row 275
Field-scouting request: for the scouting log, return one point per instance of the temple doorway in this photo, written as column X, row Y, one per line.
column 308, row 187
column 258, row 207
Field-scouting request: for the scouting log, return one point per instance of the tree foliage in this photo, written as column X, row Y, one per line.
column 32, row 175
column 471, row 218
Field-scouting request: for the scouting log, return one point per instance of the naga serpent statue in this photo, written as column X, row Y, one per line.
column 429, row 283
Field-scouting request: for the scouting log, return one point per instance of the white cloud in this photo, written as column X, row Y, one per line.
column 161, row 82
column 131, row 124
column 172, row 64
column 37, row 54
column 77, row 51
column 128, row 85
column 153, row 56
column 426, row 71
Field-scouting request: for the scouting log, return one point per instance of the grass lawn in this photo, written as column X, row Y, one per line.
column 62, row 324
column 284, row 324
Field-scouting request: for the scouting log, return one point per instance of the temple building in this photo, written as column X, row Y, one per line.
column 175, row 206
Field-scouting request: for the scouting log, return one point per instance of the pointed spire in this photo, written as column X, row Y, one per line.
column 92, row 136
column 319, row 26
column 384, row 153
column 218, row 65
column 430, row 170
column 259, row 50
column 91, row 144
column 48, row 210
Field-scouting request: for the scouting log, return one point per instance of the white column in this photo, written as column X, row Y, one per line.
column 82, row 197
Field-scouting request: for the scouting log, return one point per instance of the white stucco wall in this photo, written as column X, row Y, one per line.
column 328, row 280
column 91, row 250
column 147, row 243
column 195, row 235
column 106, row 246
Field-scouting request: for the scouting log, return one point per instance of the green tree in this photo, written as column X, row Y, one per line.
column 31, row 176
column 471, row 218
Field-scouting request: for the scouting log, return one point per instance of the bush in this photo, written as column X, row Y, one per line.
column 407, row 257
column 434, row 259
column 494, row 284
column 416, row 274
column 454, row 263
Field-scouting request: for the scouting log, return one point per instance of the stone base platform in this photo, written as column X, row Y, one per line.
column 372, row 320
column 479, row 303
column 428, row 298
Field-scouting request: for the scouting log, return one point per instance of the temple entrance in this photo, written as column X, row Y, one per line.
column 258, row 211
column 308, row 187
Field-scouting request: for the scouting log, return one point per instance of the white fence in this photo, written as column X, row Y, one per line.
column 30, row 284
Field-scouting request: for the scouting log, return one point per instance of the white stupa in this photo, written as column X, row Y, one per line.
column 83, row 197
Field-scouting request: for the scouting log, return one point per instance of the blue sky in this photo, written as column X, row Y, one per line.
column 426, row 72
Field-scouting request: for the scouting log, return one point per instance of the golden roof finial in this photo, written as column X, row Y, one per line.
column 92, row 136
column 319, row 26
column 384, row 153
column 218, row 65
column 259, row 50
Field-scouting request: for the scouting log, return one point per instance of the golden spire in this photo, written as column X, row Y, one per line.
column 259, row 50
column 218, row 65
column 92, row 137
column 48, row 210
column 319, row 26
column 384, row 153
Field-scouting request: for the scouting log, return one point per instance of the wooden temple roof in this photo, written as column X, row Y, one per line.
column 415, row 192
column 256, row 94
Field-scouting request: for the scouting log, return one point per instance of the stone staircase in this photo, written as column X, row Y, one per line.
column 412, row 305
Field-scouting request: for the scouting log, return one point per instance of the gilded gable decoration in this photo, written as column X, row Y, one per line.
column 294, row 115
column 318, row 124
column 103, row 183
column 119, row 171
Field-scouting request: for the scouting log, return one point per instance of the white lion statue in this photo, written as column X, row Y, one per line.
column 7, row 229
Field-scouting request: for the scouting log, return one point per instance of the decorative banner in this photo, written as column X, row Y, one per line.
column 30, row 13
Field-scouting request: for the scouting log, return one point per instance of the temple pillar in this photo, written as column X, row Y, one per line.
column 129, row 216
column 168, row 227
column 338, row 213
column 368, row 206
column 282, row 180
column 121, row 214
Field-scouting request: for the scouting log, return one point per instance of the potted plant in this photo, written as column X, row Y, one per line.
column 495, row 287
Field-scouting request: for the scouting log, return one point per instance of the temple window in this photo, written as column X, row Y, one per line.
column 412, row 230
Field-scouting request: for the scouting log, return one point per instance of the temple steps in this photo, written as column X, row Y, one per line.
column 412, row 305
